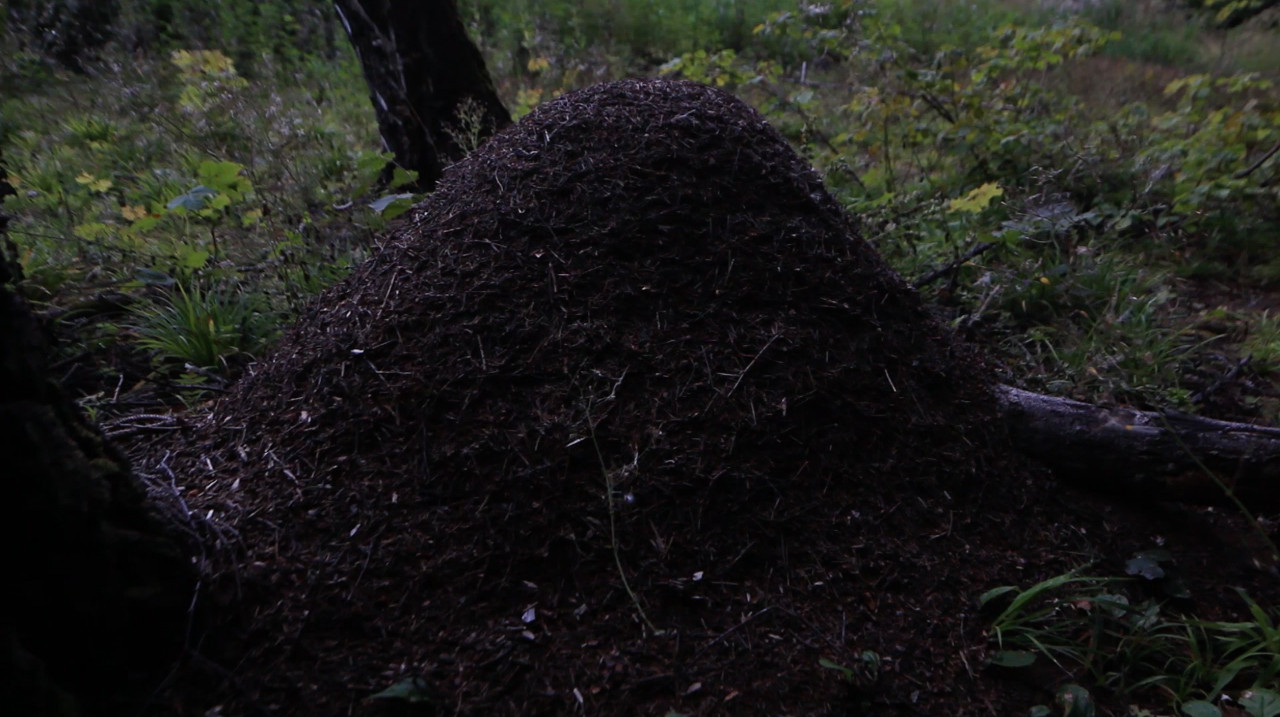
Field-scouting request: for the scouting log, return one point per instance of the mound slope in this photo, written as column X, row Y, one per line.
column 631, row 336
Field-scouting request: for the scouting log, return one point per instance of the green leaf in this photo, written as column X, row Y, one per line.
column 92, row 230
column 1076, row 701
column 392, row 205
column 194, row 259
column 192, row 200
column 412, row 690
column 401, row 177
column 144, row 224
column 976, row 200
column 1261, row 703
column 218, row 202
column 1158, row 555
column 224, row 177
column 373, row 162
column 1200, row 708
column 844, row 671
column 994, row 593
column 151, row 277
column 1013, row 658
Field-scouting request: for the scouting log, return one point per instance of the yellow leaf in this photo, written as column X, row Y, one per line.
column 977, row 200
column 537, row 64
column 85, row 178
column 100, row 185
column 133, row 213
column 1044, row 280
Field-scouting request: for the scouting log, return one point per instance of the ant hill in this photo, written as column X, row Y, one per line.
column 625, row 418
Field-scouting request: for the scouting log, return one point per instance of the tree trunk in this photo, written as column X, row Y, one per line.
column 1157, row 456
column 6, row 190
column 97, row 591
column 65, row 30
column 428, row 83
column 1231, row 13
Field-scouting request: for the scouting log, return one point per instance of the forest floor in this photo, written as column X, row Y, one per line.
column 634, row 421
column 627, row 419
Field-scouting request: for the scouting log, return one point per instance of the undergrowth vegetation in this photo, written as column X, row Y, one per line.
column 1122, row 637
column 1085, row 239
column 1093, row 194
column 1092, row 190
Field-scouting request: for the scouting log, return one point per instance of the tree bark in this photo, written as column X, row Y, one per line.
column 428, row 83
column 1155, row 456
column 66, row 30
column 1239, row 12
column 6, row 190
column 97, row 590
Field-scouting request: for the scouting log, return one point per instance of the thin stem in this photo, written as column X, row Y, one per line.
column 613, row 532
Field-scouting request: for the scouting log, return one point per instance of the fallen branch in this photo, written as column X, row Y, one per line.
column 1261, row 161
column 959, row 261
column 1160, row 456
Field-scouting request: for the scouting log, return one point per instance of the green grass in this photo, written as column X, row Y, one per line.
column 1150, row 32
column 1136, row 650
column 611, row 30
column 203, row 328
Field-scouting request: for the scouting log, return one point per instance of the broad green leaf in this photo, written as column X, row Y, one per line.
column 92, row 230
column 219, row 173
column 392, row 205
column 219, row 201
column 1261, row 703
column 1076, row 701
column 412, row 690
column 373, row 162
column 401, row 177
column 151, row 277
column 1013, row 658
column 194, row 259
column 1200, row 708
column 192, row 200
column 976, row 200
column 144, row 224
column 225, row 177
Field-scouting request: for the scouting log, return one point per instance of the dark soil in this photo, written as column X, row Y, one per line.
column 627, row 419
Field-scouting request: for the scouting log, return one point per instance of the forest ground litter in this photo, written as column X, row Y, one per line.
column 632, row 333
